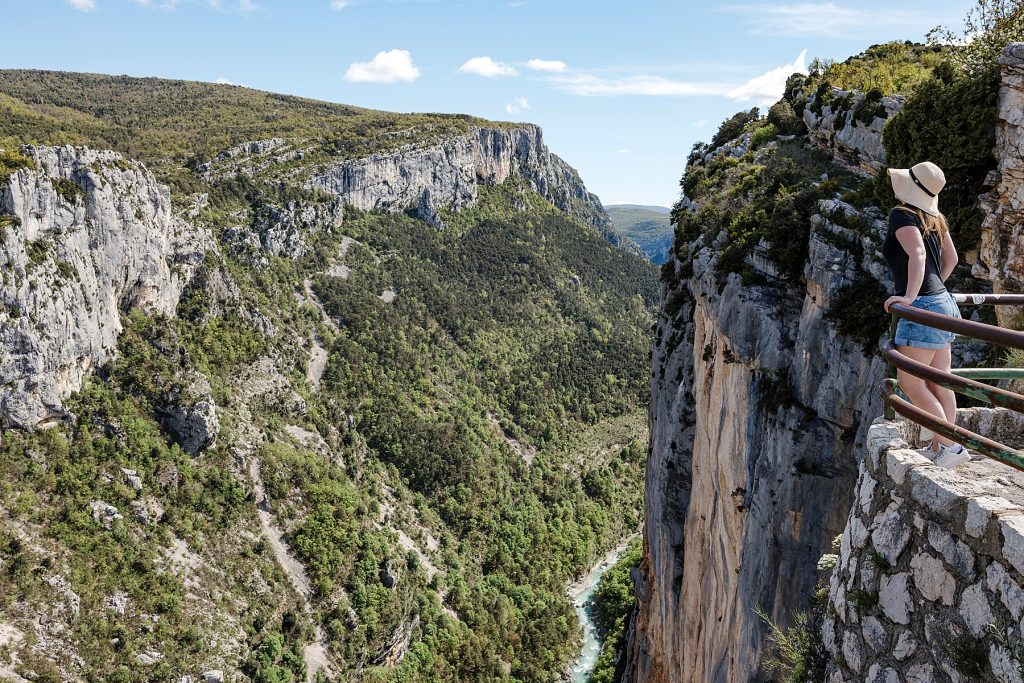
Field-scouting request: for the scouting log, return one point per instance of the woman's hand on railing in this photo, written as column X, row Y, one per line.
column 905, row 300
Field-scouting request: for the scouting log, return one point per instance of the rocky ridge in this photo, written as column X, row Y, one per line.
column 447, row 176
column 89, row 235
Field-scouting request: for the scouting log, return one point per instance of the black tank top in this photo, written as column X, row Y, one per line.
column 898, row 259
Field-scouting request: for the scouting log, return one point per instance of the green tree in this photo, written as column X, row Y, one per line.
column 988, row 28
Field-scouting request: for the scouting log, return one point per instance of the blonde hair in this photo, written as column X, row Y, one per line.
column 928, row 222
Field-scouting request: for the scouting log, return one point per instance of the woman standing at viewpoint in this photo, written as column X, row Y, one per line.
column 921, row 254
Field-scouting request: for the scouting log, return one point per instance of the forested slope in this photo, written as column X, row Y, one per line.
column 357, row 442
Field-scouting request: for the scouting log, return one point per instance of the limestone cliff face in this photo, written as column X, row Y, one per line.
column 758, row 406
column 759, row 417
column 86, row 236
column 854, row 142
column 1001, row 258
column 448, row 174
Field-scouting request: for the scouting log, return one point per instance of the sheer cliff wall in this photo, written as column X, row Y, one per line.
column 761, row 406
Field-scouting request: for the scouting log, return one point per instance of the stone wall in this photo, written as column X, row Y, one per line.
column 928, row 585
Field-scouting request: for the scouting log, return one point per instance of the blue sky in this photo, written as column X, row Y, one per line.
column 622, row 89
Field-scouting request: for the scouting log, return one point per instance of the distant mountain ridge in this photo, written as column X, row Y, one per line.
column 648, row 226
column 648, row 207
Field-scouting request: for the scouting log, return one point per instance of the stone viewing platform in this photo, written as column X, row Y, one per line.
column 929, row 585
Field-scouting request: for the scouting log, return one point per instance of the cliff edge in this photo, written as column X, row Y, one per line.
column 765, row 369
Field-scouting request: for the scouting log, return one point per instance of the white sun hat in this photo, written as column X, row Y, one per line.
column 919, row 186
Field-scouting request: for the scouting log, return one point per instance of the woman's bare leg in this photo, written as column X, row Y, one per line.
column 917, row 389
column 942, row 360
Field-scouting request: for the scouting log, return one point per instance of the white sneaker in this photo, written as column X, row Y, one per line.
column 952, row 456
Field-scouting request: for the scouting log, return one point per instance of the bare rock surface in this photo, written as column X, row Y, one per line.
column 1001, row 257
column 759, row 406
column 836, row 129
column 87, row 235
column 447, row 175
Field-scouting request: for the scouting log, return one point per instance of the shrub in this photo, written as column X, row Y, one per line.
column 695, row 182
column 68, row 189
column 797, row 654
column 38, row 251
column 893, row 68
column 733, row 127
column 857, row 312
column 950, row 121
column 762, row 135
column 783, row 116
column 794, row 88
column 968, row 655
column 10, row 161
column 822, row 97
column 869, row 108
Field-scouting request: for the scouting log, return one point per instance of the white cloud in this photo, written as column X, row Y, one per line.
column 591, row 85
column 245, row 6
column 517, row 105
column 487, row 67
column 385, row 67
column 700, row 124
column 623, row 151
column 339, row 4
column 821, row 19
column 768, row 87
column 550, row 65
column 223, row 81
column 83, row 5
column 165, row 5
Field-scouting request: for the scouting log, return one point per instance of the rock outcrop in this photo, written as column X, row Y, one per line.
column 928, row 585
column 283, row 229
column 1001, row 257
column 855, row 141
column 758, row 408
column 448, row 174
column 190, row 414
column 86, row 236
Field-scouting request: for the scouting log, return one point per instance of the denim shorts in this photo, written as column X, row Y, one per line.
column 921, row 336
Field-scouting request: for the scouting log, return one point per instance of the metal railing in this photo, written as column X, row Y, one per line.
column 962, row 380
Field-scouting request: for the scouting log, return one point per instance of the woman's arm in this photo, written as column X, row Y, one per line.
column 909, row 237
column 949, row 257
